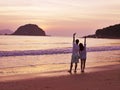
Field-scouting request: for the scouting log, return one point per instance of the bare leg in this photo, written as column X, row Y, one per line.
column 75, row 67
column 71, row 65
column 81, row 65
column 84, row 64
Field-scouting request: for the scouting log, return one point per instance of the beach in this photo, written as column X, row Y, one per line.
column 52, row 63
column 60, row 45
column 103, row 78
column 34, row 64
column 98, row 75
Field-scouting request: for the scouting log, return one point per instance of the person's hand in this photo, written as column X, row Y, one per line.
column 74, row 34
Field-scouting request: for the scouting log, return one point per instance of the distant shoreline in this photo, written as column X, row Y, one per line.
column 19, row 35
column 63, row 36
column 103, row 37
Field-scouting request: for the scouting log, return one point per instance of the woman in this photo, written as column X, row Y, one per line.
column 83, row 54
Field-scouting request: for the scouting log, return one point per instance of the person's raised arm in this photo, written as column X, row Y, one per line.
column 85, row 41
column 74, row 37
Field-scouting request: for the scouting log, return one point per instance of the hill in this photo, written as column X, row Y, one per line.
column 107, row 32
column 29, row 29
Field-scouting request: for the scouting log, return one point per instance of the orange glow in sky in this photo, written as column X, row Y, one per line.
column 60, row 17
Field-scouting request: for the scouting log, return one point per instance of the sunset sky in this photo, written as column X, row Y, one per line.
column 60, row 17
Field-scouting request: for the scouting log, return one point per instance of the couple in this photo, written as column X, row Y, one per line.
column 78, row 52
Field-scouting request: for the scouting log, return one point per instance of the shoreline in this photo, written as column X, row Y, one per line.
column 54, row 73
column 98, row 78
column 46, row 68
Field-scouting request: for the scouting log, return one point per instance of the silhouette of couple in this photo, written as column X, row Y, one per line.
column 78, row 52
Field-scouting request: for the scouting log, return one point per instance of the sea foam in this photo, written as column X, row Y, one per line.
column 55, row 51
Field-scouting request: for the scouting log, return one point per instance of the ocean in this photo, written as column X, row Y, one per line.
column 18, row 51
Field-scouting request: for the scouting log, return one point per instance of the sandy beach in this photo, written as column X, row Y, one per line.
column 101, row 75
column 100, row 78
column 50, row 71
column 41, row 42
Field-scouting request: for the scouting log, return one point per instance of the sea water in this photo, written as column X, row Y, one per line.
column 34, row 50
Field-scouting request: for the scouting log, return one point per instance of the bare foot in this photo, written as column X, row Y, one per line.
column 69, row 71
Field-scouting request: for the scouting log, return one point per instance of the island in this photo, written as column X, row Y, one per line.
column 29, row 29
column 107, row 32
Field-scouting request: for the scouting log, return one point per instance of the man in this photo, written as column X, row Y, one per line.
column 75, row 54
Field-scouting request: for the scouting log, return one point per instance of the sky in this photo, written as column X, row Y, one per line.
column 60, row 17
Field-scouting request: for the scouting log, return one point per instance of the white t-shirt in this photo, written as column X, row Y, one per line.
column 75, row 49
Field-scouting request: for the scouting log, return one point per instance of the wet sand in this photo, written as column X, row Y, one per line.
column 105, row 77
column 102, row 73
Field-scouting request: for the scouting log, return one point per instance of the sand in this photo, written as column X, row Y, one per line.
column 95, row 78
column 102, row 73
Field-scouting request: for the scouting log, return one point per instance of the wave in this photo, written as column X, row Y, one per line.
column 55, row 51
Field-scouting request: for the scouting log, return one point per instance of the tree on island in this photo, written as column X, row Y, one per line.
column 107, row 32
column 30, row 29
